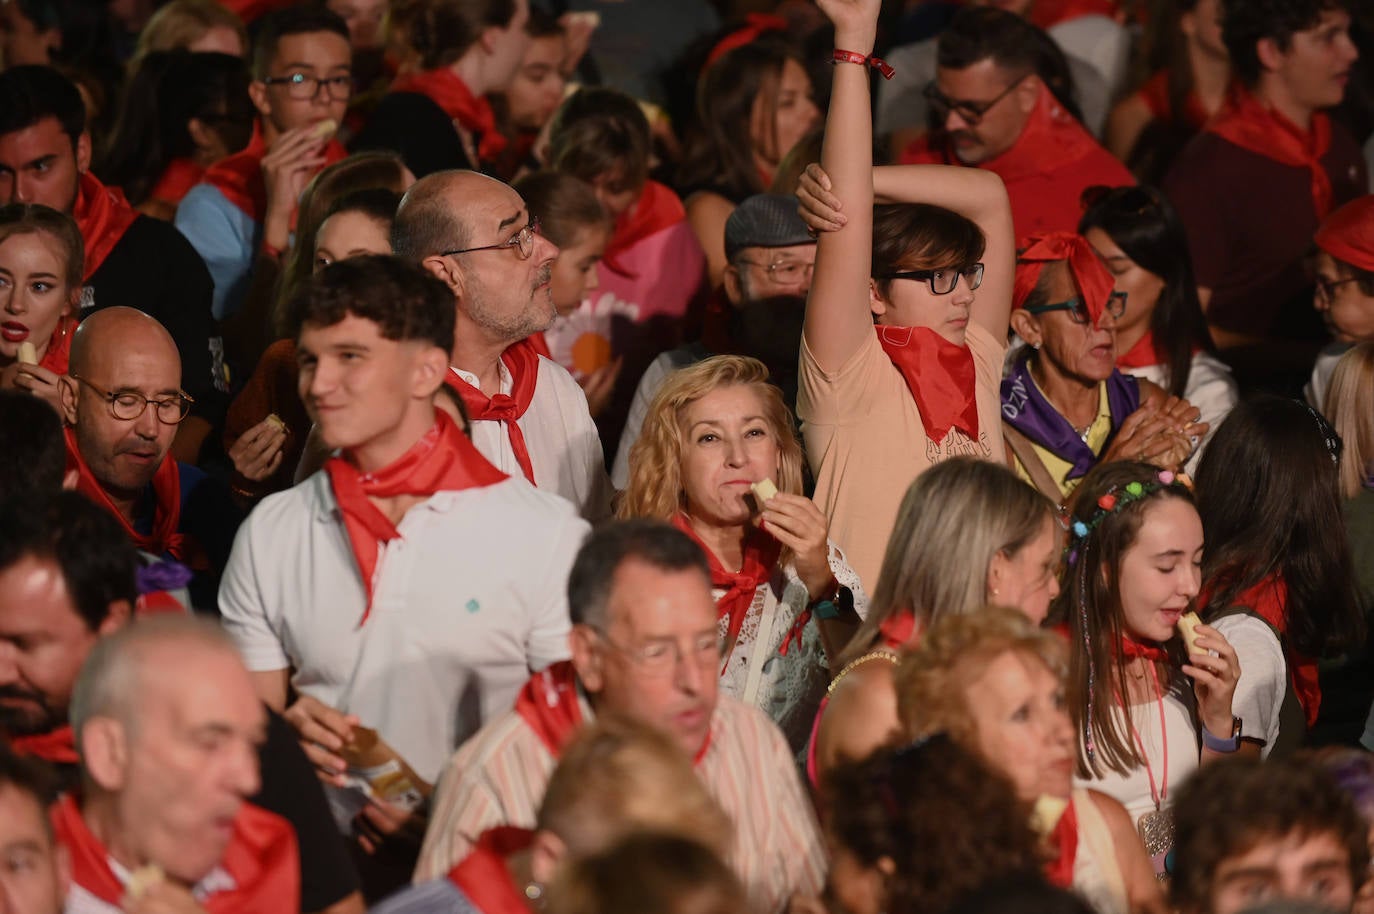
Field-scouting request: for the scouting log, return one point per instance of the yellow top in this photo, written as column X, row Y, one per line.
column 1057, row 466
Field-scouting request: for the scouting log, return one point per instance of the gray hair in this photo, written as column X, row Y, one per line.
column 425, row 222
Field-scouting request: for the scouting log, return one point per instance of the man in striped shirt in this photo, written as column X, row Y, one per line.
column 644, row 645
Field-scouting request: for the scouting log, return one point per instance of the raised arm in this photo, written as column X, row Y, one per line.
column 978, row 195
column 837, row 309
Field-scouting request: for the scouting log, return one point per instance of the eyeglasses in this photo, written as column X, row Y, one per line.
column 1078, row 311
column 660, row 658
column 302, row 88
column 127, row 406
column 970, row 113
column 1326, row 288
column 942, row 282
column 522, row 242
column 784, row 272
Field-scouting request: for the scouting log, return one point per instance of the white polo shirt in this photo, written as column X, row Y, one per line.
column 565, row 450
column 469, row 601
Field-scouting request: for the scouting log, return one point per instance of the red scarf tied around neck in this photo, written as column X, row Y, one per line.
column 103, row 216
column 442, row 460
column 56, row 747
column 164, row 539
column 1245, row 121
column 657, row 208
column 1269, row 600
column 899, row 630
column 761, row 553
column 239, row 176
column 1064, row 840
column 522, row 361
column 1092, row 279
column 940, row 375
column 1132, row 649
column 483, row 875
column 447, row 90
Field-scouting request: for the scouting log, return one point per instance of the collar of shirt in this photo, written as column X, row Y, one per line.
column 216, row 881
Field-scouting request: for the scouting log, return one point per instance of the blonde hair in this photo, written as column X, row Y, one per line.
column 620, row 776
column 648, row 871
column 1350, row 407
column 181, row 23
column 954, row 652
column 655, row 486
column 953, row 519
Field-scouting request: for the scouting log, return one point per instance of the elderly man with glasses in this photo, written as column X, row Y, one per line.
column 122, row 401
column 529, row 417
column 645, row 647
column 992, row 106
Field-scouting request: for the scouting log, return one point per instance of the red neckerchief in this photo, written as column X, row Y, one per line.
column 522, row 361
column 940, row 375
column 760, row 558
column 178, row 177
column 1155, row 95
column 261, row 857
column 1064, row 839
column 658, row 208
column 103, row 215
column 1269, row 600
column 1091, row 277
column 483, row 877
column 442, row 460
column 1248, row 123
column 57, row 747
column 1132, row 649
column 540, row 345
column 164, row 540
column 549, row 705
column 1348, row 233
column 1046, row 14
column 898, row 630
column 239, row 176
column 1142, row 355
column 58, row 353
column 1050, row 141
column 447, row 90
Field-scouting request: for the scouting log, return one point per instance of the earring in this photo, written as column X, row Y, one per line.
column 534, row 892
column 1035, row 346
column 995, row 592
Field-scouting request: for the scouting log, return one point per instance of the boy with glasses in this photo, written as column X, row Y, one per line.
column 302, row 80
column 644, row 647
column 991, row 109
column 122, row 402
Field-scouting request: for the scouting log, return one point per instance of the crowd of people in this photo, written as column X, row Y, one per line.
column 710, row 457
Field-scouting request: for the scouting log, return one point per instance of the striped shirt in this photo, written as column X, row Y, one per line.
column 498, row 778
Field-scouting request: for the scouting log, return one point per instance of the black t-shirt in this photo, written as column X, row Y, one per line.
column 417, row 129
column 154, row 268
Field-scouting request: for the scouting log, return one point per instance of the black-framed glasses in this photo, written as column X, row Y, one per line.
column 1078, row 309
column 661, row 656
column 522, row 242
column 970, row 113
column 127, row 405
column 1326, row 288
column 784, row 272
column 303, row 88
column 943, row 282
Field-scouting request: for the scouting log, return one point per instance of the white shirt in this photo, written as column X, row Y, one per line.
column 1263, row 679
column 565, row 451
column 1133, row 790
column 466, row 603
column 1210, row 388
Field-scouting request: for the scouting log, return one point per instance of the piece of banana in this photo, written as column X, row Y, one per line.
column 1187, row 627
column 28, row 354
column 763, row 490
column 143, row 879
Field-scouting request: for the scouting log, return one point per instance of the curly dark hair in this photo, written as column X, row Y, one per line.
column 1244, row 23
column 904, row 804
column 1227, row 807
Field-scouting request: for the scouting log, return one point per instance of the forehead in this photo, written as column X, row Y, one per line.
column 980, row 82
column 33, row 251
column 321, row 50
column 651, row 602
column 546, row 49
column 1169, row 523
column 351, row 331
column 350, row 225
column 1298, row 848
column 191, row 685
column 486, row 205
column 1011, row 676
column 34, row 597
column 730, row 401
column 134, row 361
column 791, row 252
column 1330, row 18
column 36, row 141
column 22, row 818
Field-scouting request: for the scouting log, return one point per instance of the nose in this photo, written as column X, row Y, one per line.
column 954, row 121
column 734, row 453
column 147, row 424
column 1192, row 580
column 1319, row 300
column 1053, row 587
column 317, row 380
column 689, row 674
column 23, row 193
column 544, row 249
column 243, row 770
column 9, row 664
column 592, row 282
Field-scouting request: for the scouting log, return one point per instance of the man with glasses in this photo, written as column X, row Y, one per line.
column 771, row 255
column 991, row 108
column 529, row 417
column 131, row 260
column 302, row 80
column 644, row 646
column 122, row 402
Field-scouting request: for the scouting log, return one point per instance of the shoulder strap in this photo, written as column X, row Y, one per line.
column 1024, row 451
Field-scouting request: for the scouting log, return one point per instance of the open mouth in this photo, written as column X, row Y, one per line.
column 14, row 332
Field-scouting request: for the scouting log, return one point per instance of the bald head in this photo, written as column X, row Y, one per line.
column 437, row 212
column 107, row 333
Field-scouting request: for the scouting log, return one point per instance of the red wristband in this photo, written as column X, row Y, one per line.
column 876, row 63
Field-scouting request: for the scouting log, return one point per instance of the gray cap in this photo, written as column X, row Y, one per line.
column 765, row 221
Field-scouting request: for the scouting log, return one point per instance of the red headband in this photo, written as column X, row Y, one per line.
column 1090, row 276
column 755, row 25
column 1348, row 233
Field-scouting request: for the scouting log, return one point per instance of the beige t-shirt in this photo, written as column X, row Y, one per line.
column 866, row 443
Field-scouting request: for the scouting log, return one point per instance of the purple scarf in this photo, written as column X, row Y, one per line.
column 1025, row 409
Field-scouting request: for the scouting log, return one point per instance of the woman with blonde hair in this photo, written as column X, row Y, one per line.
column 715, row 432
column 193, row 25
column 968, row 531
column 994, row 682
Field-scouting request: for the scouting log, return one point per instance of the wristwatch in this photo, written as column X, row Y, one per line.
column 1220, row 744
